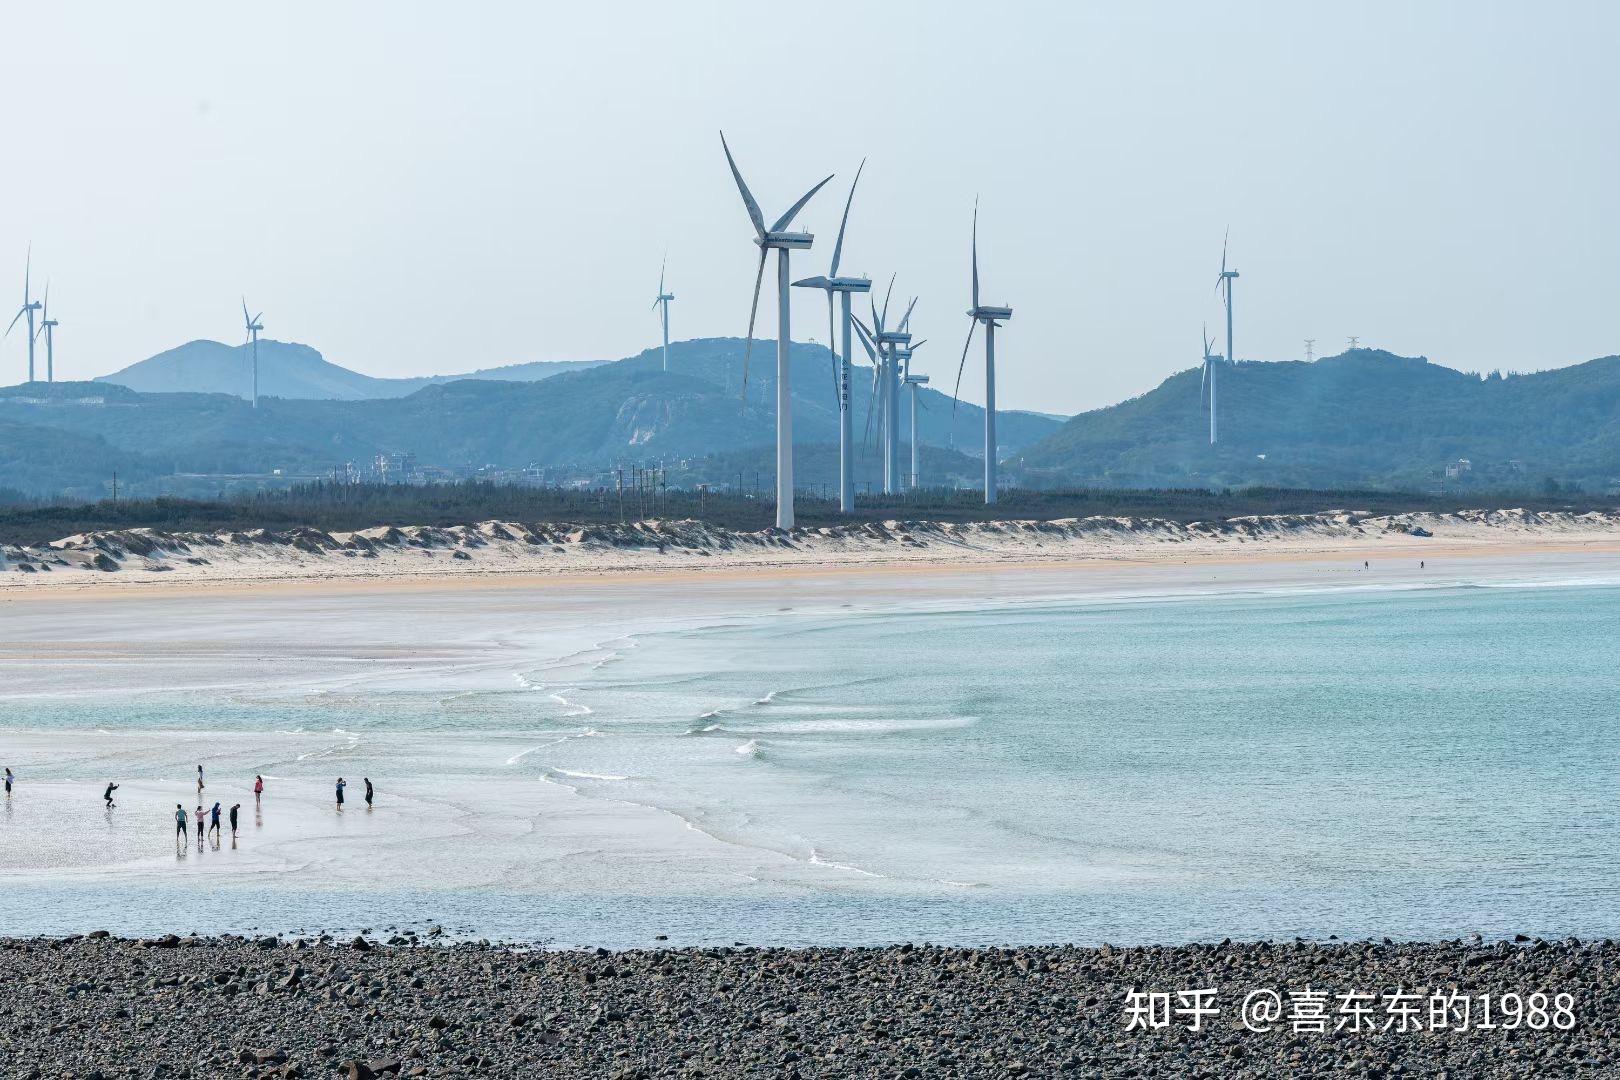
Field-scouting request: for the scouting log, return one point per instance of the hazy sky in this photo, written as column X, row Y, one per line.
column 428, row 187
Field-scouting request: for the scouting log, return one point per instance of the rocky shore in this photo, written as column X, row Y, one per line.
column 98, row 1006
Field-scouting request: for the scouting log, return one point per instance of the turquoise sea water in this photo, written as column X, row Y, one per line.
column 1421, row 763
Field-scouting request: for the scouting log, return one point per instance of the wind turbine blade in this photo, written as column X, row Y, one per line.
column 747, row 196
column 887, row 293
column 14, row 319
column 787, row 219
column 966, row 345
column 815, row 282
column 864, row 336
column 1203, row 378
column 905, row 322
column 246, row 318
column 256, row 319
column 661, row 268
column 45, row 309
column 873, row 402
column 838, row 248
column 915, row 345
column 28, row 272
column 1224, row 241
column 748, row 342
column 975, row 257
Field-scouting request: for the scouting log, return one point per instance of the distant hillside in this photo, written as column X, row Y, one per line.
column 288, row 370
column 630, row 410
column 1364, row 418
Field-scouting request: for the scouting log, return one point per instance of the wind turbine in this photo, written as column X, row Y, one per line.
column 1222, row 282
column 47, row 326
column 991, row 317
column 785, row 243
column 914, row 382
column 1206, row 384
column 664, row 298
column 842, row 286
column 886, row 386
column 29, row 306
column 253, row 328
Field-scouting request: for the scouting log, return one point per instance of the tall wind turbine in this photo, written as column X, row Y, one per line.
column 842, row 287
column 29, row 306
column 48, row 327
column 991, row 317
column 253, row 328
column 784, row 242
column 663, row 299
column 1223, row 283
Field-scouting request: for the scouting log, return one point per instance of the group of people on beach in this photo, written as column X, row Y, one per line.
column 208, row 819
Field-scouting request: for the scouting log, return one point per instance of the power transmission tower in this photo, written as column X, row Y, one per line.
column 1310, row 349
column 1355, row 343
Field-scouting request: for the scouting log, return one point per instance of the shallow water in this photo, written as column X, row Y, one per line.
column 1419, row 759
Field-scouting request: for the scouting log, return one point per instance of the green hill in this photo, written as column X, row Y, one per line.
column 629, row 410
column 1364, row 418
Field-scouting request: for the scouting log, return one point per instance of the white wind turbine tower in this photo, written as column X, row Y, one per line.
column 253, row 328
column 1206, row 383
column 1223, row 283
column 913, row 382
column 48, row 327
column 663, row 299
column 784, row 242
column 29, row 306
column 886, row 393
column 991, row 317
column 843, row 287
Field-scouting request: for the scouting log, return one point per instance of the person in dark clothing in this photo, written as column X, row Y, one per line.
column 180, row 822
column 213, row 819
column 367, row 779
column 340, row 793
column 111, row 787
column 234, row 808
column 8, row 783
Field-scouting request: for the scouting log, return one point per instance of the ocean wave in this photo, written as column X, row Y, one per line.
column 850, row 727
column 751, row 748
column 586, row 775
column 817, row 860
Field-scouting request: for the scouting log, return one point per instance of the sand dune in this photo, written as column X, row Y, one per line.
column 130, row 556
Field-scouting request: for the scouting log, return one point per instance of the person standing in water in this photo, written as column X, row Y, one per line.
column 111, row 787
column 179, row 824
column 340, row 793
column 8, row 783
column 258, row 789
column 199, row 781
column 234, row 808
column 201, row 827
column 367, row 779
column 213, row 819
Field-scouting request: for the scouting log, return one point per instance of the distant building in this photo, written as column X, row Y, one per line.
column 1459, row 468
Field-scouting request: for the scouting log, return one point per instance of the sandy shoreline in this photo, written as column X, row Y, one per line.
column 496, row 555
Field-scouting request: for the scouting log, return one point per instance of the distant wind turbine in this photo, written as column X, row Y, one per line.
column 784, row 242
column 48, row 327
column 253, row 328
column 843, row 287
column 991, row 317
column 1223, row 282
column 913, row 383
column 1206, row 384
column 886, row 393
column 29, row 306
column 663, row 299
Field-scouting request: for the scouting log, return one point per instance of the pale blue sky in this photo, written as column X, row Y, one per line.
column 416, row 187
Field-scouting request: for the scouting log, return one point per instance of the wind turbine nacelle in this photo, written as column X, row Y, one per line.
column 790, row 241
column 666, row 296
column 991, row 314
column 917, row 380
column 894, row 337
column 850, row 284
